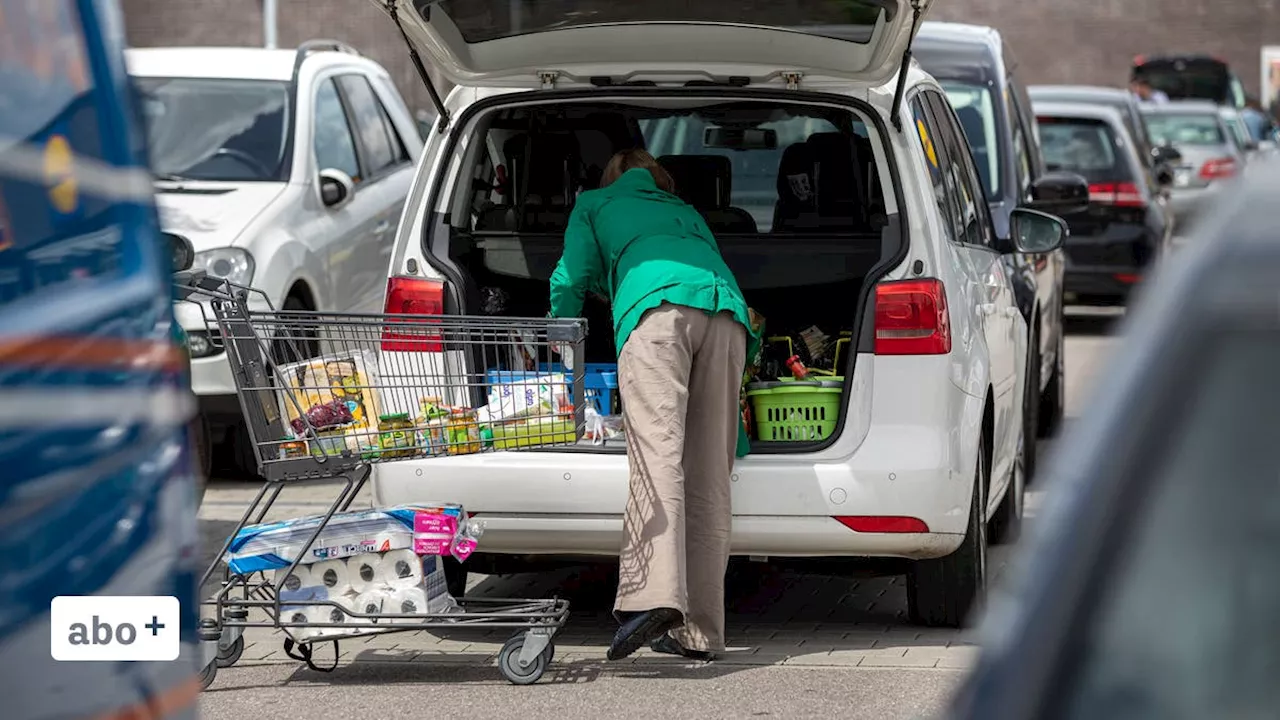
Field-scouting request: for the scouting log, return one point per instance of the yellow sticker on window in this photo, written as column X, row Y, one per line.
column 928, row 143
column 59, row 175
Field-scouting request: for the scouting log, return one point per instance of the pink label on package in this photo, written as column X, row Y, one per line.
column 433, row 534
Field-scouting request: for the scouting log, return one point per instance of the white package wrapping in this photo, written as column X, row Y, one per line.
column 392, row 582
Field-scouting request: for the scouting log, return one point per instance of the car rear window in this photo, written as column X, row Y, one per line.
column 1188, row 80
column 1084, row 146
column 478, row 21
column 1169, row 129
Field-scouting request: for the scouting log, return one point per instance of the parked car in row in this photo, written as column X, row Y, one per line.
column 1149, row 588
column 979, row 75
column 1155, row 156
column 287, row 171
column 1127, row 226
column 1211, row 156
column 896, row 219
column 1192, row 77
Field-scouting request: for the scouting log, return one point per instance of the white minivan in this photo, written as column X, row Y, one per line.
column 842, row 195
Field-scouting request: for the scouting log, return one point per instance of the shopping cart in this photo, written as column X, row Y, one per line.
column 328, row 395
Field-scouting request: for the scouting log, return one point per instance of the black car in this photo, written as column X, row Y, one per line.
column 1150, row 588
column 979, row 75
column 1158, row 158
column 1127, row 226
column 1191, row 77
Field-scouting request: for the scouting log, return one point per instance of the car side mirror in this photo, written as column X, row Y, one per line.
column 1060, row 193
column 336, row 188
column 1033, row 231
column 184, row 254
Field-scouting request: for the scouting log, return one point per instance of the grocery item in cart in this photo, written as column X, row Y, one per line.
column 336, row 593
column 396, row 436
column 269, row 546
column 526, row 398
column 347, row 379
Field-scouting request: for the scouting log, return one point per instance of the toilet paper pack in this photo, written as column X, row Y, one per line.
column 399, row 583
column 269, row 546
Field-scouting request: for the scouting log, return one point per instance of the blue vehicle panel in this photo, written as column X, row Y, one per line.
column 97, row 489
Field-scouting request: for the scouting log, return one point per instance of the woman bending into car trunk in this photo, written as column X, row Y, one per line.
column 682, row 331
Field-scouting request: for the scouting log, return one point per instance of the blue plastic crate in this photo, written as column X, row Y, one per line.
column 600, row 380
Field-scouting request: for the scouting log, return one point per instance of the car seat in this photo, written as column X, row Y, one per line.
column 820, row 186
column 544, row 172
column 706, row 183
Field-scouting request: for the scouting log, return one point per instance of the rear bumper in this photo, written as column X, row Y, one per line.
column 778, row 536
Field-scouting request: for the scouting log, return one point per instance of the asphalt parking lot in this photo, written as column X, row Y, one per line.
column 800, row 644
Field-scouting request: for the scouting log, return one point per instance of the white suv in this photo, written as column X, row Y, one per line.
column 842, row 195
column 287, row 170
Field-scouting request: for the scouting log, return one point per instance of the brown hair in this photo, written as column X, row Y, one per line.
column 625, row 160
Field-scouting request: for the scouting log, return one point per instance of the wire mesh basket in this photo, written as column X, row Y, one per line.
column 323, row 392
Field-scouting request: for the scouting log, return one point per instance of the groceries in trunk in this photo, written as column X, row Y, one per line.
column 793, row 389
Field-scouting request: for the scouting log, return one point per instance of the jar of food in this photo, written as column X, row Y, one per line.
column 462, row 432
column 289, row 449
column 395, row 435
column 332, row 442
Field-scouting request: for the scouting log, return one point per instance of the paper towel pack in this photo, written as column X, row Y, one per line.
column 269, row 546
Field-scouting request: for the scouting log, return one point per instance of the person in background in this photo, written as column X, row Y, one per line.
column 682, row 329
column 1262, row 126
column 1141, row 87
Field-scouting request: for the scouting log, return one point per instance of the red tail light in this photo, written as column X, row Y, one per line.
column 1218, row 168
column 912, row 319
column 1119, row 194
column 412, row 296
column 1128, row 278
column 882, row 523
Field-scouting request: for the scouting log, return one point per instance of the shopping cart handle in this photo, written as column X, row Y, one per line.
column 567, row 331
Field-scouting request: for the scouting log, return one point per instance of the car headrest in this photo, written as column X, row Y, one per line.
column 836, row 156
column 971, row 122
column 703, row 181
column 797, row 184
column 543, row 167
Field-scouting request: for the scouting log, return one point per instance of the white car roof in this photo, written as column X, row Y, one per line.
column 238, row 63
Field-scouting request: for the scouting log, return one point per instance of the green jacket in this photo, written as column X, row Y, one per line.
column 640, row 247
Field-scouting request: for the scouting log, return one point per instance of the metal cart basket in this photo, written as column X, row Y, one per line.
column 328, row 395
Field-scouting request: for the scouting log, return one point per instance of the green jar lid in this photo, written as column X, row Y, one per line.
column 395, row 416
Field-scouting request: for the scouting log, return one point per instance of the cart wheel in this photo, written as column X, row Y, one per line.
column 230, row 655
column 509, row 662
column 207, row 675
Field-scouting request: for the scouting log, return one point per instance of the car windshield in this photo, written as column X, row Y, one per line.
column 1170, row 129
column 1084, row 146
column 215, row 129
column 976, row 111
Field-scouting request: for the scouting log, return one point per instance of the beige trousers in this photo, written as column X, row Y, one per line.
column 680, row 373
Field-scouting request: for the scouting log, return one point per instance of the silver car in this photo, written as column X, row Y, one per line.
column 1211, row 153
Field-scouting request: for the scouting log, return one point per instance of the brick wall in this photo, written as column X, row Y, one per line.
column 1081, row 41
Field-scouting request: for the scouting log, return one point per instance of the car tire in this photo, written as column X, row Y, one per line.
column 1006, row 524
column 942, row 591
column 455, row 575
column 1053, row 402
column 1031, row 401
column 243, row 458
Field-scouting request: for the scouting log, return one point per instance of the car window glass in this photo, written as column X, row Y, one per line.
column 370, row 129
column 333, row 144
column 398, row 148
column 1185, row 129
column 976, row 110
column 1187, row 625
column 968, row 188
column 1021, row 151
column 1083, row 146
column 934, row 161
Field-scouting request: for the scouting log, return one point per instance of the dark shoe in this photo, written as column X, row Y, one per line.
column 670, row 646
column 641, row 628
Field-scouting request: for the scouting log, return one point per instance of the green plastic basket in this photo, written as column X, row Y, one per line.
column 795, row 411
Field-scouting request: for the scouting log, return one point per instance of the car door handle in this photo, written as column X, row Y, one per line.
column 986, row 310
column 1010, row 311
column 382, row 227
